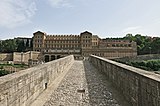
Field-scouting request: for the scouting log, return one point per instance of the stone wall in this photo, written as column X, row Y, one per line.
column 139, row 58
column 140, row 88
column 110, row 52
column 6, row 57
column 24, row 57
column 22, row 88
column 20, row 57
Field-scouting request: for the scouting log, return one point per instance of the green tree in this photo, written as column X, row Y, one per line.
column 8, row 45
column 145, row 44
column 21, row 47
column 129, row 37
column 155, row 46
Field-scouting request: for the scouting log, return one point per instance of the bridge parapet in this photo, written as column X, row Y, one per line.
column 22, row 88
column 140, row 87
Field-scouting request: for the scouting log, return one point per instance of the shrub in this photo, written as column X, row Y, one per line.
column 4, row 72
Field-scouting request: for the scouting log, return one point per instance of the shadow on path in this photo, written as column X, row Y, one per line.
column 101, row 92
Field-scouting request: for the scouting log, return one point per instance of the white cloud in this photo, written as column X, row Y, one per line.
column 132, row 29
column 60, row 3
column 15, row 13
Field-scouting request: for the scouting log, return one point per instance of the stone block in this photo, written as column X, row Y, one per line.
column 137, row 85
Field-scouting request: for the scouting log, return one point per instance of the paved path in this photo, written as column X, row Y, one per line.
column 85, row 86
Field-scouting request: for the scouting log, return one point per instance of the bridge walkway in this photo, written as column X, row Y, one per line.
column 84, row 85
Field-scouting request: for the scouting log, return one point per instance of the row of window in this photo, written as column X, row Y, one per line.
column 66, row 46
column 69, row 41
column 63, row 50
column 115, row 45
column 94, row 43
column 120, row 45
column 86, row 41
column 63, row 38
column 37, row 45
column 38, row 36
column 116, row 41
column 37, row 41
column 62, row 46
column 84, row 45
column 86, row 37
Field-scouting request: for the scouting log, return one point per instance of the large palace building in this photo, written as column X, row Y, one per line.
column 83, row 45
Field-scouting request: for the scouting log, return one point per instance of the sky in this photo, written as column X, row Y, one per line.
column 105, row 18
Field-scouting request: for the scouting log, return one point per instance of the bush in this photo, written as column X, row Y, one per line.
column 3, row 72
column 1, row 67
column 150, row 65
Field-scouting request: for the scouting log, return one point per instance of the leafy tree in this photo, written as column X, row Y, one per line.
column 150, row 65
column 129, row 37
column 21, row 46
column 1, row 49
column 155, row 46
column 8, row 45
column 15, row 45
column 145, row 44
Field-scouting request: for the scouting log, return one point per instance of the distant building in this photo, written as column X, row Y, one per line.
column 83, row 45
column 21, row 57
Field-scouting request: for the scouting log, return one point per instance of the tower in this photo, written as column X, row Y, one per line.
column 38, row 41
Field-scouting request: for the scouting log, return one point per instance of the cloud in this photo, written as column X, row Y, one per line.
column 15, row 13
column 132, row 29
column 59, row 3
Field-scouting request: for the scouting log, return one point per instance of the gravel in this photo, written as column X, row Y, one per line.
column 83, row 86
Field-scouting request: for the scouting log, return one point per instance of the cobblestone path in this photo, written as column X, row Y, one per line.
column 84, row 86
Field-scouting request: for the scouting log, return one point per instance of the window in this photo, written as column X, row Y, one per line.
column 129, row 45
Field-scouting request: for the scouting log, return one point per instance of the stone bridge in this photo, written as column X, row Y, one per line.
column 92, row 82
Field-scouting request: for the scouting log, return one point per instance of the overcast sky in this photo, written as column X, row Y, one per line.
column 106, row 18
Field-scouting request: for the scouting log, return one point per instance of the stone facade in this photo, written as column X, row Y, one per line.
column 140, row 87
column 53, row 46
column 20, row 57
column 6, row 56
column 24, row 57
column 22, row 88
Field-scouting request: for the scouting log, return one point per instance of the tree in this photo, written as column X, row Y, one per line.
column 155, row 46
column 145, row 44
column 129, row 37
column 21, row 47
column 8, row 45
